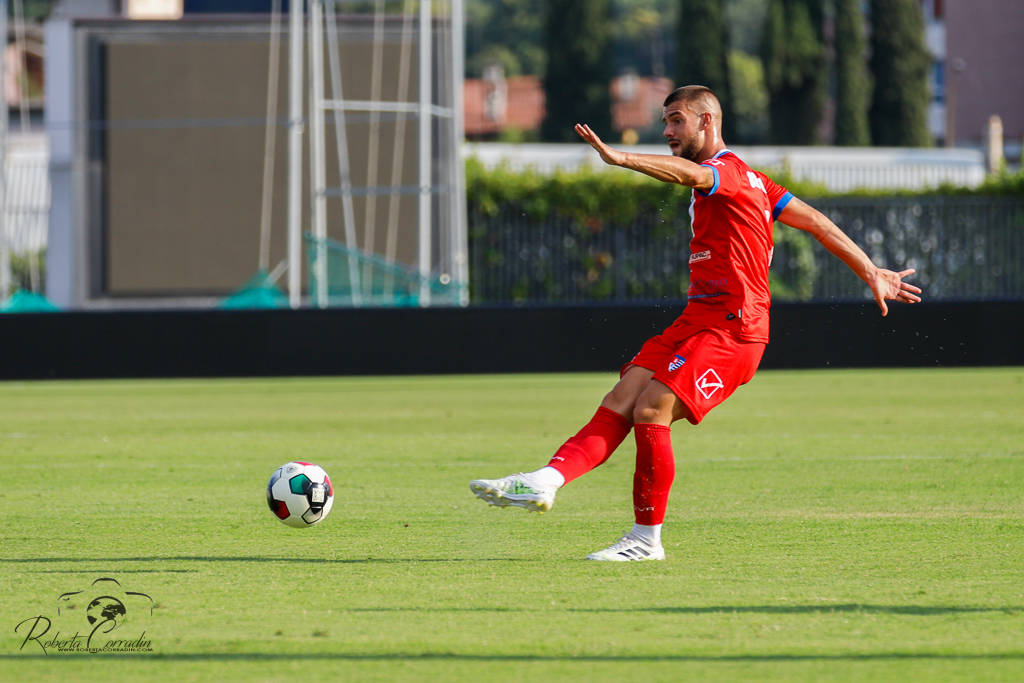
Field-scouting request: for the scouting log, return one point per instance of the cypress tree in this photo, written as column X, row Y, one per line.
column 577, row 38
column 853, row 84
column 795, row 70
column 702, row 53
column 899, row 66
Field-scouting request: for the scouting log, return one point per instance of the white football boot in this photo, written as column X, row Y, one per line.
column 629, row 548
column 515, row 489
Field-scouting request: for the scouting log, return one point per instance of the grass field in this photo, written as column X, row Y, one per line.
column 824, row 526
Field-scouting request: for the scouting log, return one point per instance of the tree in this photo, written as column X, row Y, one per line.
column 795, row 70
column 853, row 85
column 745, row 19
column 576, row 83
column 505, row 32
column 643, row 37
column 749, row 112
column 702, row 52
column 899, row 66
column 35, row 10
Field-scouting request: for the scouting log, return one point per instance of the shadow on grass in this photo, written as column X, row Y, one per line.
column 243, row 558
column 910, row 610
column 469, row 657
column 93, row 570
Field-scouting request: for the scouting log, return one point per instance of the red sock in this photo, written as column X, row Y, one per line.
column 655, row 470
column 592, row 445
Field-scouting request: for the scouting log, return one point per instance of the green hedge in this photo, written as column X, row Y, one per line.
column 618, row 195
column 22, row 267
column 586, row 206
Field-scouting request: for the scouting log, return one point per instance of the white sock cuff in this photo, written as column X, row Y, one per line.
column 548, row 477
column 650, row 533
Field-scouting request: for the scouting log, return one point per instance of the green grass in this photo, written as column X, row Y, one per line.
column 835, row 525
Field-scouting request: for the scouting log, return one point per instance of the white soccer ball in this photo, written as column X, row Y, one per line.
column 300, row 494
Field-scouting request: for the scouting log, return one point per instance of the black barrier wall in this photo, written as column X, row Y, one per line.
column 479, row 339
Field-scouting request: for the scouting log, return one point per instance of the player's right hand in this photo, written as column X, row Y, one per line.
column 608, row 155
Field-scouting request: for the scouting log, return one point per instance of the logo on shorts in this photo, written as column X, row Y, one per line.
column 676, row 363
column 709, row 383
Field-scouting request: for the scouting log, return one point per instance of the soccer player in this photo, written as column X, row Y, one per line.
column 716, row 344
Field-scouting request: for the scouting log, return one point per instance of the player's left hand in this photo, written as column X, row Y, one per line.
column 889, row 285
column 609, row 155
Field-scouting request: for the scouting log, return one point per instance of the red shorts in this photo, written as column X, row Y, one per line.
column 701, row 366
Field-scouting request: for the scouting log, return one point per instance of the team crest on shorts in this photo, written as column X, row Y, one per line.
column 676, row 363
column 709, row 383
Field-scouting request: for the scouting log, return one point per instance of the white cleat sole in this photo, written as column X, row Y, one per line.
column 498, row 498
column 618, row 558
column 629, row 549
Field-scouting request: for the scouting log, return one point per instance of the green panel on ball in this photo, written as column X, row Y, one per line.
column 298, row 483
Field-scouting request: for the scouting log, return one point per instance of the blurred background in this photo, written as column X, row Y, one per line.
column 263, row 154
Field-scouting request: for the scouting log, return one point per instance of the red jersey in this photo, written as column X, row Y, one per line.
column 731, row 248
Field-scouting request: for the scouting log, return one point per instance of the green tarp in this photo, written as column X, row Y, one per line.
column 27, row 302
column 258, row 292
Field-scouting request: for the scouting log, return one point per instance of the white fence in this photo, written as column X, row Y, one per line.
column 26, row 209
column 839, row 169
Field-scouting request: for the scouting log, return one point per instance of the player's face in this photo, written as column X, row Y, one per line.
column 682, row 131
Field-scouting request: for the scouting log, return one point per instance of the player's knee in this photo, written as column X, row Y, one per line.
column 656, row 405
column 619, row 400
column 647, row 413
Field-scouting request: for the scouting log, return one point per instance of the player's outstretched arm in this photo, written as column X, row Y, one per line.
column 664, row 167
column 886, row 285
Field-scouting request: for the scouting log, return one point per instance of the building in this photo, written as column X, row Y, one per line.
column 977, row 50
column 637, row 104
column 495, row 106
column 981, row 75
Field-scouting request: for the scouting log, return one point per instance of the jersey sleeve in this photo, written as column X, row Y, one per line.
column 778, row 196
column 726, row 176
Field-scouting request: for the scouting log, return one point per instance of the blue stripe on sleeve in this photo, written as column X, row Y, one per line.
column 781, row 204
column 714, row 188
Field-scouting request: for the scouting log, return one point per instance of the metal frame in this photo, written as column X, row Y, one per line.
column 73, row 281
column 425, row 112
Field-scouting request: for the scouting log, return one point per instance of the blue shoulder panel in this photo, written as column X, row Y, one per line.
column 714, row 188
column 781, row 204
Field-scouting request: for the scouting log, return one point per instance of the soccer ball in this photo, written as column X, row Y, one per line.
column 300, row 494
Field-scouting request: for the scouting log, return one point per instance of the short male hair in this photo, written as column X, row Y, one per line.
column 698, row 99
